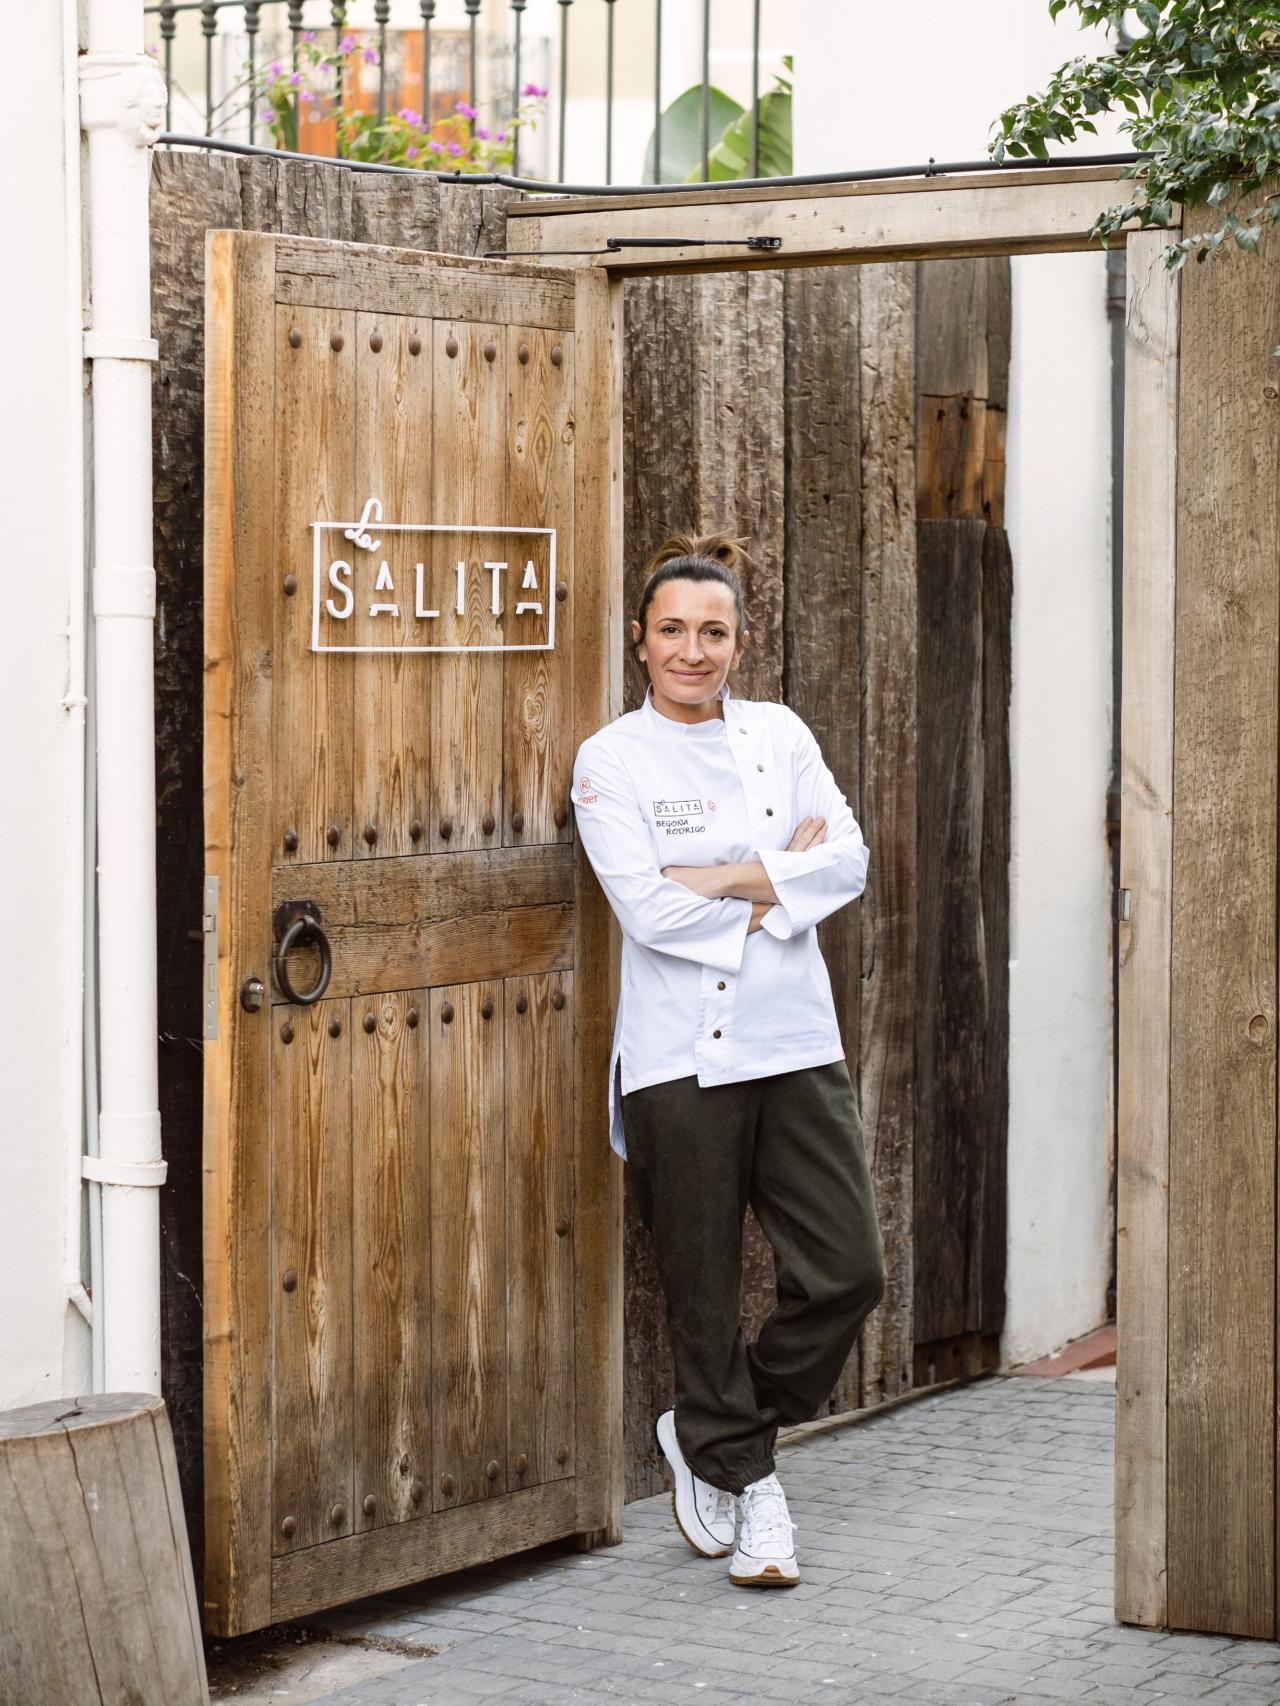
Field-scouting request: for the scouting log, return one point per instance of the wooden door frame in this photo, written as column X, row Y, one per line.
column 1020, row 212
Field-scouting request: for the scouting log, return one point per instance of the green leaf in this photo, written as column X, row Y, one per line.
column 681, row 131
column 731, row 156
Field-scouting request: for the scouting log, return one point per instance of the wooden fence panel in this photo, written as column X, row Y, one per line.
column 707, row 361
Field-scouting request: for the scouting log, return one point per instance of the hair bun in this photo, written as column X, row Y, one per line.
column 717, row 547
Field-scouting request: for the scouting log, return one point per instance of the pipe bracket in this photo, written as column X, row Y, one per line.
column 103, row 346
column 107, row 1171
column 125, row 590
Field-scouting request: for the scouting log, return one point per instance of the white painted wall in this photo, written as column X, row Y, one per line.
column 44, row 1344
column 867, row 96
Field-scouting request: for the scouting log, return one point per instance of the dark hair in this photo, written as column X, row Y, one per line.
column 693, row 557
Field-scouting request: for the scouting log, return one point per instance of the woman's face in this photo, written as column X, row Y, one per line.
column 689, row 644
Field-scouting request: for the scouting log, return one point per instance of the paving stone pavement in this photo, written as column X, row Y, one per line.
column 954, row 1550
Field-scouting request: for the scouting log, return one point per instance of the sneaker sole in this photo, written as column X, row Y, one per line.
column 693, row 1545
column 770, row 1577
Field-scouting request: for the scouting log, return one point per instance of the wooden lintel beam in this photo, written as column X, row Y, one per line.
column 1002, row 212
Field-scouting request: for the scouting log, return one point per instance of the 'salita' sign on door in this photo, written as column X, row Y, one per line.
column 405, row 586
column 412, row 1357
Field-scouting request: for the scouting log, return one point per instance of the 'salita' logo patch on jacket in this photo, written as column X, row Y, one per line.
column 675, row 816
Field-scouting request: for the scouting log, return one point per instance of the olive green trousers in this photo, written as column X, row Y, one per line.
column 791, row 1145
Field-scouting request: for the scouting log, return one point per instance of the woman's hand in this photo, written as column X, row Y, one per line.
column 748, row 881
column 758, row 910
column 809, row 832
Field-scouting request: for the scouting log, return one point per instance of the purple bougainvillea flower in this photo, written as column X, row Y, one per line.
column 482, row 133
column 502, row 136
column 434, row 146
column 410, row 115
column 455, row 148
column 308, row 35
column 466, row 109
column 275, row 68
column 347, row 44
column 535, row 90
column 295, row 78
column 370, row 56
column 305, row 95
column 411, row 153
column 265, row 116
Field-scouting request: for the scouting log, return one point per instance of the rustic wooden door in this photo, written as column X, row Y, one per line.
column 412, row 1274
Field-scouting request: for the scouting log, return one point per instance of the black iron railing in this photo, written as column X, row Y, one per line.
column 253, row 13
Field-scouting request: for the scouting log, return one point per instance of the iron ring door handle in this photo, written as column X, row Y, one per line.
column 305, row 927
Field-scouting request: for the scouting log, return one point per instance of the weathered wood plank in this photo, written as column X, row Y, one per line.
column 1222, row 1148
column 991, row 1231
column 658, row 438
column 469, row 480
column 391, row 1258
column 391, row 691
column 468, row 1245
column 541, row 1364
column 393, row 1557
column 537, row 726
column 951, row 1142
column 369, row 958
column 314, row 481
column 895, row 220
column 889, row 787
column 404, row 281
column 736, row 344
column 238, row 558
column 1146, row 861
column 423, row 891
column 718, row 195
column 951, row 328
column 310, row 1277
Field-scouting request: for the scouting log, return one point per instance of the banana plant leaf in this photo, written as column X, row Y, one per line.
column 682, row 135
column 731, row 156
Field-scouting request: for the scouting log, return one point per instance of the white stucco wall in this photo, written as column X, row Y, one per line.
column 44, row 1344
column 866, row 95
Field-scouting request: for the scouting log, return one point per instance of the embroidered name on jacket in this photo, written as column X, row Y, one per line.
column 674, row 816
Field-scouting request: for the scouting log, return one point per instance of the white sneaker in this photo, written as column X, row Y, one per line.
column 766, row 1553
column 705, row 1515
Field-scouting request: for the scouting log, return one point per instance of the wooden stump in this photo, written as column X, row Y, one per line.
column 98, row 1601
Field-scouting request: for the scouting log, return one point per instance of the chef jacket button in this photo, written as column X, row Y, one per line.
column 720, row 985
column 741, row 730
column 768, row 811
column 759, row 766
column 715, row 1033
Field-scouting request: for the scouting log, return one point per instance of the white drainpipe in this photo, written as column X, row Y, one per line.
column 121, row 111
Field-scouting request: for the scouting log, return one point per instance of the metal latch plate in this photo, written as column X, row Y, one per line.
column 209, row 925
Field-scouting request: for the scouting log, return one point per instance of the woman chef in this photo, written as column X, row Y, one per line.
column 721, row 839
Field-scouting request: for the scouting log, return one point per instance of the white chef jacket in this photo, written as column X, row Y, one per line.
column 698, row 995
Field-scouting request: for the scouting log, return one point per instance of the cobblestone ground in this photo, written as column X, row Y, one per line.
column 955, row 1550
